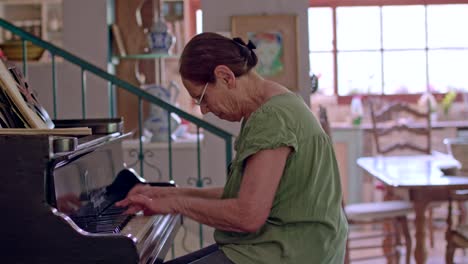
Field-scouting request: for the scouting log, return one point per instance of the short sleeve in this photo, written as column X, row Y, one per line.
column 268, row 128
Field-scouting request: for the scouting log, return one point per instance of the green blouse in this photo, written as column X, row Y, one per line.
column 306, row 222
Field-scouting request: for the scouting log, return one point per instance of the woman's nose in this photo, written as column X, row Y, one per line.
column 204, row 109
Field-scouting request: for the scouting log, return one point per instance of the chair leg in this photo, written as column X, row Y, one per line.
column 388, row 242
column 430, row 225
column 396, row 227
column 449, row 252
column 462, row 210
column 406, row 233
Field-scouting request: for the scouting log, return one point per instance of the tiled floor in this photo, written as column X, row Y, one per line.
column 436, row 255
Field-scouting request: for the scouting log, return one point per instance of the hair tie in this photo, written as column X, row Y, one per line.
column 250, row 45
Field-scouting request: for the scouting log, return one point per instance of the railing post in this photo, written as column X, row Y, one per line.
column 169, row 142
column 83, row 93
column 110, row 86
column 54, row 86
column 228, row 141
column 141, row 155
column 111, row 92
column 25, row 58
column 199, row 179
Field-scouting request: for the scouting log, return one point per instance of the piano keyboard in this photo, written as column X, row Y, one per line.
column 110, row 221
column 137, row 227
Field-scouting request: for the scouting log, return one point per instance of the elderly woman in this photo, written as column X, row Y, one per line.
column 282, row 199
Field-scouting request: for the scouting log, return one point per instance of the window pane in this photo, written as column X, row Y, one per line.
column 320, row 29
column 359, row 72
column 321, row 64
column 403, row 27
column 199, row 21
column 448, row 70
column 358, row 28
column 447, row 26
column 404, row 72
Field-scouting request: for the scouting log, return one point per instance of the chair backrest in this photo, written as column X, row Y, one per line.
column 397, row 126
column 458, row 148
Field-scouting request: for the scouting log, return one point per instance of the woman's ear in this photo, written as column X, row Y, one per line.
column 224, row 75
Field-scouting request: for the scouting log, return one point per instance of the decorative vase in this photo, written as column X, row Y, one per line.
column 160, row 40
column 158, row 123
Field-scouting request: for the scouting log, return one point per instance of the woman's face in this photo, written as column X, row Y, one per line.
column 218, row 99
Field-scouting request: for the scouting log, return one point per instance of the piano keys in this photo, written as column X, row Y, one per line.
column 58, row 199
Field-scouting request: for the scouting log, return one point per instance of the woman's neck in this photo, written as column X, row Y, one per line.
column 258, row 91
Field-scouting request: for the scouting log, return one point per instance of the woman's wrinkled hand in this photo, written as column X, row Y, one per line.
column 149, row 191
column 143, row 189
column 149, row 206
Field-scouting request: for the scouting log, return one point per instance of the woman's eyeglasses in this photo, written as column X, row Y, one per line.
column 200, row 99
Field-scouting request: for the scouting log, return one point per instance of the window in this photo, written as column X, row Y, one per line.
column 389, row 49
column 199, row 21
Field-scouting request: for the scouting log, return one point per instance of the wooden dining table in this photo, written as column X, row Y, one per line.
column 420, row 179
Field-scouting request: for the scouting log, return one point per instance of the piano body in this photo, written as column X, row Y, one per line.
column 57, row 199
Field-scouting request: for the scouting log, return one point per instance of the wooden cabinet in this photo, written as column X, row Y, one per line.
column 348, row 148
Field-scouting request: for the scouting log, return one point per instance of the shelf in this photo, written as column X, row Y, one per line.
column 47, row 61
column 42, row 18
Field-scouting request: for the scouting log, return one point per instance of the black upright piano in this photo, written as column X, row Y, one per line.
column 57, row 200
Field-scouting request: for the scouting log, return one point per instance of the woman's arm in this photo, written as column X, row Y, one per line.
column 161, row 192
column 246, row 213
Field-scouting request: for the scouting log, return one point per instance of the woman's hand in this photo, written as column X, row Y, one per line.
column 149, row 206
column 146, row 198
column 149, row 191
column 143, row 189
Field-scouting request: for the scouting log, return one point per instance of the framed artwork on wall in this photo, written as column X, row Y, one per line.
column 276, row 39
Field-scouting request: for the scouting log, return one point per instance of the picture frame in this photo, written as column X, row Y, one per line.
column 276, row 39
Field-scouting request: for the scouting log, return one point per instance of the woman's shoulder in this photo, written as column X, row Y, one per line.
column 282, row 102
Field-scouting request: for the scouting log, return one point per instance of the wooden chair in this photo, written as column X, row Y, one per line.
column 390, row 212
column 398, row 117
column 458, row 148
column 457, row 237
column 413, row 130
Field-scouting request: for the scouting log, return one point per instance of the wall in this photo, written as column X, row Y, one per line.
column 85, row 35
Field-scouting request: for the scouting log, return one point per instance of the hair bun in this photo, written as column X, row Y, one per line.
column 250, row 45
column 247, row 51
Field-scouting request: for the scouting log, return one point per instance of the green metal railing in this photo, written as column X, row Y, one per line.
column 112, row 82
